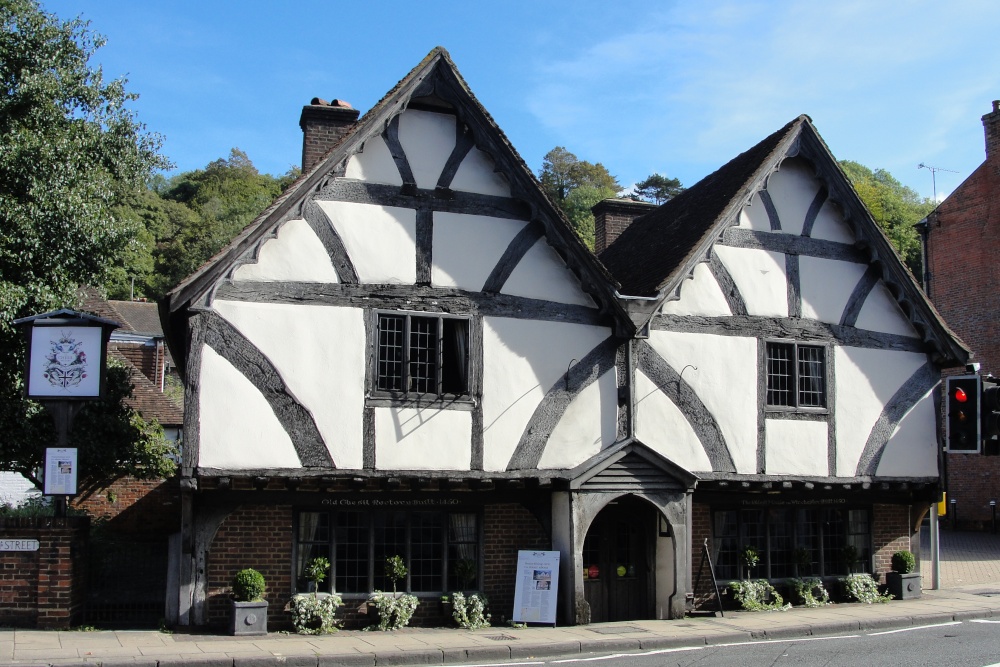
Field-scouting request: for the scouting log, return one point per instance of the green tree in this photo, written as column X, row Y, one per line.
column 71, row 152
column 575, row 185
column 658, row 189
column 201, row 211
column 895, row 207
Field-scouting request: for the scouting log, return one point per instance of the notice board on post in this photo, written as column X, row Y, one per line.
column 537, row 590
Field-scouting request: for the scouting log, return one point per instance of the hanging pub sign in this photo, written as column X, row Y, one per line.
column 537, row 588
column 66, row 355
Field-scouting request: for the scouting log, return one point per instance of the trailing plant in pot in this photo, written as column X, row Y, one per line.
column 810, row 592
column 314, row 613
column 470, row 612
column 903, row 582
column 249, row 608
column 394, row 609
column 755, row 594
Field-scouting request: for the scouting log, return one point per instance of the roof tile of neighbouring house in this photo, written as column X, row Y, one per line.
column 142, row 317
column 147, row 399
column 658, row 244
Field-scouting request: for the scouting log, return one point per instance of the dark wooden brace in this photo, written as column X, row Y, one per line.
column 859, row 295
column 258, row 369
column 922, row 381
column 334, row 245
column 684, row 397
column 552, row 407
column 728, row 286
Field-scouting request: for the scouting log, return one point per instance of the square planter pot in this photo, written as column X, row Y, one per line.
column 248, row 618
column 903, row 586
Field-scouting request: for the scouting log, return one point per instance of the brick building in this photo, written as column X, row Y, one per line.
column 962, row 278
column 411, row 353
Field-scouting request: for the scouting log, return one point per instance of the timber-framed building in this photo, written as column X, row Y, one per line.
column 412, row 353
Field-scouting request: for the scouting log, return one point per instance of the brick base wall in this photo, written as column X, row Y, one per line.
column 134, row 506
column 44, row 588
column 260, row 536
column 891, row 533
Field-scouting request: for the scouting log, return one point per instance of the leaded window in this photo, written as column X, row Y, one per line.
column 796, row 375
column 421, row 355
column 792, row 541
column 440, row 549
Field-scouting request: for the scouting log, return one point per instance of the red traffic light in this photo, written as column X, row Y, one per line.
column 960, row 395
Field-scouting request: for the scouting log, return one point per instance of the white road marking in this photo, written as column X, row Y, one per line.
column 983, row 620
column 702, row 648
column 918, row 627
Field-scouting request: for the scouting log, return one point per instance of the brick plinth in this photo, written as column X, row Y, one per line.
column 44, row 588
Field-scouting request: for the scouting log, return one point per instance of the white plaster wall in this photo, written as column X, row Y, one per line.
column 428, row 139
column 468, row 247
column 542, row 274
column 760, row 277
column 319, row 353
column 295, row 254
column 912, row 449
column 238, row 429
column 796, row 447
column 700, row 295
column 792, row 189
column 754, row 215
column 476, row 174
column 725, row 381
column 588, row 425
column 826, row 286
column 380, row 240
column 374, row 163
column 423, row 439
column 662, row 427
column 523, row 359
column 830, row 225
column 882, row 313
column 866, row 380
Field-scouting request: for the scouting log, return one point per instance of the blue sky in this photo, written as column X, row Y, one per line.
column 678, row 88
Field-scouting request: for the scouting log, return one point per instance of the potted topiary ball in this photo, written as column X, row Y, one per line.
column 904, row 583
column 249, row 610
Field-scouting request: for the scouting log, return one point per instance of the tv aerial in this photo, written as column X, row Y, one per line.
column 934, row 171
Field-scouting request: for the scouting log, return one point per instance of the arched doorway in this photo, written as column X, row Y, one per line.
column 619, row 561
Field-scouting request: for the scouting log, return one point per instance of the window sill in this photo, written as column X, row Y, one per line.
column 379, row 400
column 780, row 411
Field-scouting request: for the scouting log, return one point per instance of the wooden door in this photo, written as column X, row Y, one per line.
column 617, row 563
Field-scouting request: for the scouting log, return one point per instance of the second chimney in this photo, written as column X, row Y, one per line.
column 991, row 124
column 323, row 124
column 612, row 216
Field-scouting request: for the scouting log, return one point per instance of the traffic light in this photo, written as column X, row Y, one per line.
column 990, row 409
column 963, row 433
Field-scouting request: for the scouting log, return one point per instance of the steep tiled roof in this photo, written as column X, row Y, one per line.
column 658, row 245
column 142, row 317
column 148, row 399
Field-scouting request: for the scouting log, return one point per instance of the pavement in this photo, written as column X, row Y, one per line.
column 970, row 589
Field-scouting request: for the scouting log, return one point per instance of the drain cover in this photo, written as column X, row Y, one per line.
column 617, row 630
column 501, row 638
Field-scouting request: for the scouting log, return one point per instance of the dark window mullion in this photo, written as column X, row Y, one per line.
column 439, row 382
column 406, row 356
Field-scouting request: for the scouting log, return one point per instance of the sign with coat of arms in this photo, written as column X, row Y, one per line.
column 65, row 362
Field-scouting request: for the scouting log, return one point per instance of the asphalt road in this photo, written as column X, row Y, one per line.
column 957, row 644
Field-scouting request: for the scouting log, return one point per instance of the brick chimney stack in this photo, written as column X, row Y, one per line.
column 991, row 123
column 612, row 216
column 323, row 124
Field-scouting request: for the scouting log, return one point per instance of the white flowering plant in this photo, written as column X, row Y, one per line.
column 470, row 612
column 753, row 595
column 862, row 587
column 314, row 613
column 810, row 591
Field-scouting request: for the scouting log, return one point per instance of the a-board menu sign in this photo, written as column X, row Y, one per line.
column 537, row 588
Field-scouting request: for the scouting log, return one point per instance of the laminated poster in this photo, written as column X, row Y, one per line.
column 60, row 471
column 537, row 588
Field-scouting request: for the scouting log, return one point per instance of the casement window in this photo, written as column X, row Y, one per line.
column 796, row 375
column 792, row 541
column 421, row 355
column 440, row 549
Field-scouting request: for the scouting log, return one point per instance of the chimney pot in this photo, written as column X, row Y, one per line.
column 323, row 125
